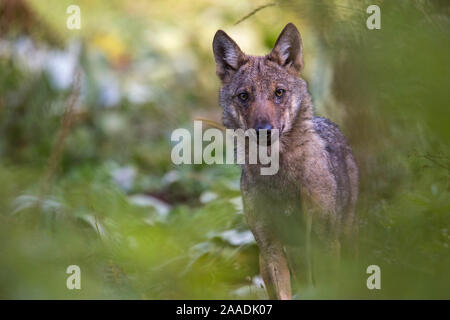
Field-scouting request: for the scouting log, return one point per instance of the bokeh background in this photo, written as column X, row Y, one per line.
column 85, row 123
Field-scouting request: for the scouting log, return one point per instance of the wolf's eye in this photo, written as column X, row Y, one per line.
column 279, row 92
column 243, row 96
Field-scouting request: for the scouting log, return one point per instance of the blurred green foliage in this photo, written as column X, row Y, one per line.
column 141, row 227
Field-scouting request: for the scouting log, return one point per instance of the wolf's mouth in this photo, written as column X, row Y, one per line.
column 269, row 137
column 268, row 140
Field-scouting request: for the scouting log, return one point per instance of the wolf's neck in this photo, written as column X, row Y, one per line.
column 301, row 127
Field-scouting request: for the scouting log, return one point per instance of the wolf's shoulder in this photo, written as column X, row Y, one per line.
column 324, row 126
column 329, row 132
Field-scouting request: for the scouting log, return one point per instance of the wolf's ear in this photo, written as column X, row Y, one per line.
column 227, row 54
column 287, row 51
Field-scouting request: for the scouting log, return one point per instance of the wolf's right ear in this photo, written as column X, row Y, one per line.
column 227, row 54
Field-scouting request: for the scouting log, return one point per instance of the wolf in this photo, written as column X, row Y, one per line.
column 316, row 187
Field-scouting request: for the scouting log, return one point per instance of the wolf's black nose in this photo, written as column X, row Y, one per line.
column 265, row 126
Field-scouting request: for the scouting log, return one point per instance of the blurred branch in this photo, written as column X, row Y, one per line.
column 66, row 125
column 255, row 11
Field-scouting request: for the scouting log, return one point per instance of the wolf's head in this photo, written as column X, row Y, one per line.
column 262, row 92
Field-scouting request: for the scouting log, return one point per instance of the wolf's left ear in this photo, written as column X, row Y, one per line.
column 227, row 54
column 287, row 51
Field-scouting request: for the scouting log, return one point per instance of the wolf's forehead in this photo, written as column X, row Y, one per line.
column 260, row 72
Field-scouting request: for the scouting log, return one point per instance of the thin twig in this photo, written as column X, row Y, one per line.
column 255, row 11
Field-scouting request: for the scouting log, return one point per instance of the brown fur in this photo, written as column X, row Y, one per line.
column 316, row 186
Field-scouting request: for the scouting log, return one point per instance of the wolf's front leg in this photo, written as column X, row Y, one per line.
column 274, row 271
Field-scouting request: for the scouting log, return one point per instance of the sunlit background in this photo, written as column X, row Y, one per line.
column 85, row 123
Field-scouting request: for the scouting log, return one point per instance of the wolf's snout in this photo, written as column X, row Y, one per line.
column 264, row 126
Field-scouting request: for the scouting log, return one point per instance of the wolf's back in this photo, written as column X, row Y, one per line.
column 341, row 162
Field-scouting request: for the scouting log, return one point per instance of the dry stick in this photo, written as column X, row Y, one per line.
column 58, row 147
column 255, row 11
column 212, row 123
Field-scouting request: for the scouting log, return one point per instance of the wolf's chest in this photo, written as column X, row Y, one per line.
column 277, row 202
